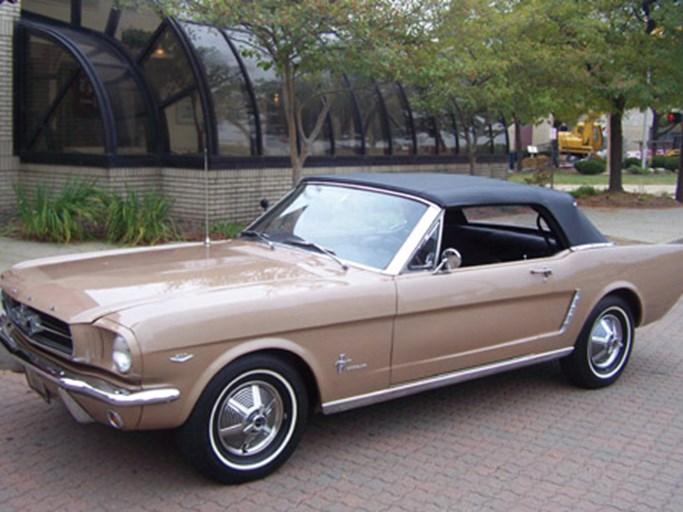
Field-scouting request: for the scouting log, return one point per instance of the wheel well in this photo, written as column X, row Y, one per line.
column 304, row 370
column 633, row 301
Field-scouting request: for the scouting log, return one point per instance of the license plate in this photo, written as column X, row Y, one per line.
column 37, row 385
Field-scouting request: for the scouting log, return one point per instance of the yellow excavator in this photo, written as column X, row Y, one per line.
column 584, row 139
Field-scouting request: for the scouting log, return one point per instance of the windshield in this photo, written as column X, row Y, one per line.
column 356, row 225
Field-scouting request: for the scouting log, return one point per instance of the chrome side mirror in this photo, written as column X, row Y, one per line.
column 451, row 259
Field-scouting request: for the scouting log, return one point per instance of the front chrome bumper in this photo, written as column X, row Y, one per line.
column 85, row 386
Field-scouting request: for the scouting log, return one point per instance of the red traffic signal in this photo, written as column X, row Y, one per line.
column 674, row 117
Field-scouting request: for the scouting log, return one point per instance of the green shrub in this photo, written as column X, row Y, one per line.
column 665, row 162
column 68, row 216
column 631, row 162
column 637, row 169
column 132, row 220
column 81, row 211
column 225, row 229
column 585, row 191
column 590, row 166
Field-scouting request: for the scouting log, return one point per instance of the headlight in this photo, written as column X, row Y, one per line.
column 121, row 355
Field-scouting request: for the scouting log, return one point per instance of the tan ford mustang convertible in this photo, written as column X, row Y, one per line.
column 349, row 291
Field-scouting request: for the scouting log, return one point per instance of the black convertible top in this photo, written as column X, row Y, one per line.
column 457, row 190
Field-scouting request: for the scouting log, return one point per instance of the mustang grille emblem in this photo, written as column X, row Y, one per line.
column 26, row 319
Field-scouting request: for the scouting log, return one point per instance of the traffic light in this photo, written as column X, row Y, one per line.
column 674, row 117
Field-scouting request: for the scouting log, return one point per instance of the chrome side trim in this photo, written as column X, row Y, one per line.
column 413, row 240
column 570, row 312
column 93, row 388
column 587, row 247
column 411, row 388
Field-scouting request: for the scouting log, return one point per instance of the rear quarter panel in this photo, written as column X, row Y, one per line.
column 652, row 275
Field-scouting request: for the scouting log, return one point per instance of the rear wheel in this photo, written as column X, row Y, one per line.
column 247, row 421
column 603, row 347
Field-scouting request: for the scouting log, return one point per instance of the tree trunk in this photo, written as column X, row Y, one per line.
column 471, row 139
column 679, row 182
column 289, row 105
column 519, row 153
column 616, row 141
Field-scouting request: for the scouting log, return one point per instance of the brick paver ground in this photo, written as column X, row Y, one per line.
column 522, row 441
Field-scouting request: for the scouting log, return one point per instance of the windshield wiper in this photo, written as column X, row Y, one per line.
column 312, row 245
column 261, row 236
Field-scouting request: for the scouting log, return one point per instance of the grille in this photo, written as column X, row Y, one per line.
column 40, row 328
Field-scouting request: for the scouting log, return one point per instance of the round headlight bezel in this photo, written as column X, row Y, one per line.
column 121, row 355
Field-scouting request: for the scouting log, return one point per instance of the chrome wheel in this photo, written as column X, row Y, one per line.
column 607, row 342
column 253, row 419
column 249, row 418
column 603, row 346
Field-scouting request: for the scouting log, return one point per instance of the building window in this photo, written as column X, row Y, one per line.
column 234, row 112
column 268, row 92
column 59, row 109
column 345, row 119
column 171, row 77
column 373, row 122
column 399, row 119
column 55, row 9
column 124, row 84
column 309, row 95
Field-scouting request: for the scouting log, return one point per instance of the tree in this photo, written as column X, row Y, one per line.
column 664, row 24
column 307, row 40
column 631, row 51
column 502, row 58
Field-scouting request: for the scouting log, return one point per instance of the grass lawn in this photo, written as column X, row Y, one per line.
column 571, row 177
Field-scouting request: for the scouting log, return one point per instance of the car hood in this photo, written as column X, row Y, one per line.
column 83, row 288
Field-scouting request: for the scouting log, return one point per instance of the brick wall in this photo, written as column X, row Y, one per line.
column 8, row 163
column 233, row 195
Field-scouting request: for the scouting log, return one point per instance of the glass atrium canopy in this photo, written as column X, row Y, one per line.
column 119, row 87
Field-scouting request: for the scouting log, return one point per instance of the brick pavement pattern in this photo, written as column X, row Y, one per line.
column 522, row 441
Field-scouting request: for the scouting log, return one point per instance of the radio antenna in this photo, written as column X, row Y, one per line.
column 207, row 238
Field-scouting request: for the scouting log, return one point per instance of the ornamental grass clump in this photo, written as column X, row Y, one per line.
column 69, row 216
column 81, row 211
column 136, row 220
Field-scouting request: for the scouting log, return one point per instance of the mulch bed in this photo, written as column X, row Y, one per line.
column 628, row 200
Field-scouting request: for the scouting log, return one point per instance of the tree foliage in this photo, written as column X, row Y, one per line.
column 522, row 60
column 307, row 40
column 528, row 59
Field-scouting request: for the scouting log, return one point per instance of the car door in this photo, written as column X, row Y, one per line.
column 479, row 314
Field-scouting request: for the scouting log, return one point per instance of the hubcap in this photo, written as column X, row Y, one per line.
column 607, row 342
column 250, row 418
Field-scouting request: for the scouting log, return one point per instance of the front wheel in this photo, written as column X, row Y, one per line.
column 247, row 421
column 603, row 347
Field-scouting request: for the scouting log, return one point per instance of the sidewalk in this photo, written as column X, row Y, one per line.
column 650, row 226
column 13, row 250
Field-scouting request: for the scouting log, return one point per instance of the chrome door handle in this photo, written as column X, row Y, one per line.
column 545, row 272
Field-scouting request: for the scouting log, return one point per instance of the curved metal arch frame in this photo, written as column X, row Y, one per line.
column 105, row 109
column 153, row 144
column 210, row 124
column 411, row 119
column 356, row 113
column 153, row 121
column 159, row 139
column 258, row 149
column 386, row 125
column 164, row 138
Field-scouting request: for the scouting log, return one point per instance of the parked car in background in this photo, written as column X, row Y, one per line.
column 351, row 290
